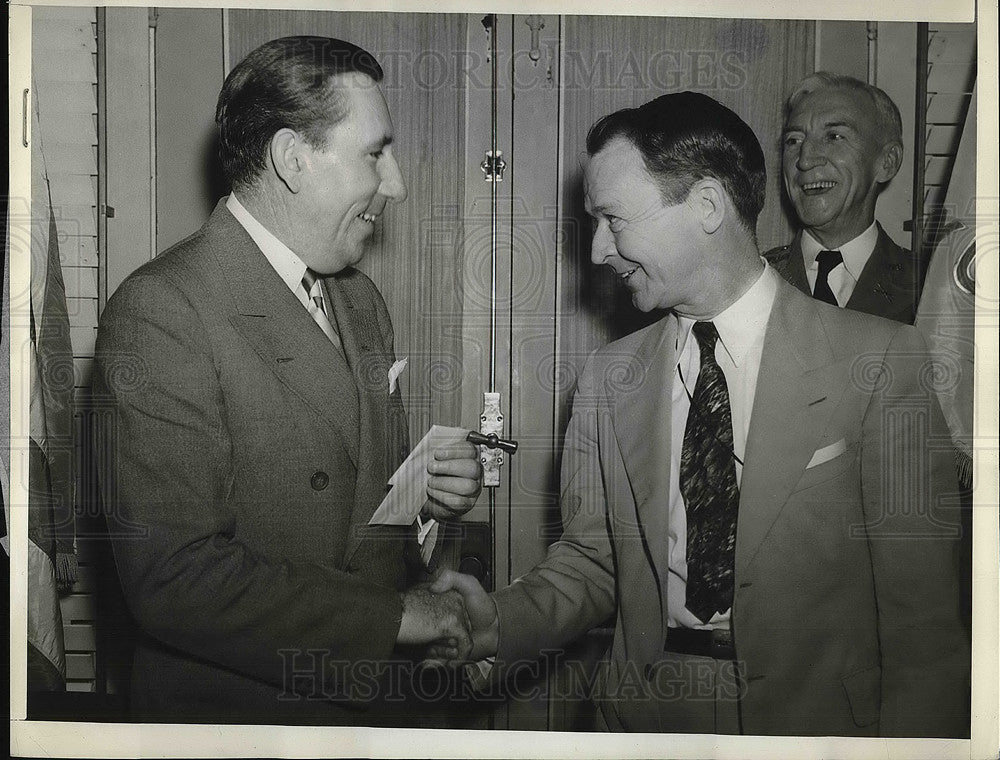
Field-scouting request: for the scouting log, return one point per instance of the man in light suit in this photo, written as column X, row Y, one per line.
column 740, row 489
column 254, row 423
column 841, row 144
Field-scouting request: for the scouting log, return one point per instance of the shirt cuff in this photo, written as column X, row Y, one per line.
column 427, row 533
column 479, row 672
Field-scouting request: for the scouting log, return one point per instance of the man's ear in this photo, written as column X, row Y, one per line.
column 710, row 202
column 889, row 161
column 285, row 152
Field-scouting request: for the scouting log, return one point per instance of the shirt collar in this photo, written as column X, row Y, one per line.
column 284, row 261
column 743, row 323
column 854, row 252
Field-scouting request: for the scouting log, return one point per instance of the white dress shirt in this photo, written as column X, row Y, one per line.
column 741, row 329
column 843, row 277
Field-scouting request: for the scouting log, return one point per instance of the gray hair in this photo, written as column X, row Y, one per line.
column 890, row 123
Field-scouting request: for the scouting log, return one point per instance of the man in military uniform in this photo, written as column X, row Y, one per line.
column 842, row 143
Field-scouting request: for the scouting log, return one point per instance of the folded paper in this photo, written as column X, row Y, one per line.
column 409, row 483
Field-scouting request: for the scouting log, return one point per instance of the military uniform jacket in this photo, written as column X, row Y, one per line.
column 889, row 285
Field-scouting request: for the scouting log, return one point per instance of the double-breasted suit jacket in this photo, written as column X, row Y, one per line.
column 845, row 617
column 889, row 285
column 247, row 455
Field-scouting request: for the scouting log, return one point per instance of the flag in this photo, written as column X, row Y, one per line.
column 51, row 485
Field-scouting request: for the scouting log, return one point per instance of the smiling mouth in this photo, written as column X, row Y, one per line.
column 814, row 188
column 626, row 275
column 367, row 217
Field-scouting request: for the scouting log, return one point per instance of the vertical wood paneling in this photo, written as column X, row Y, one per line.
column 188, row 79
column 415, row 256
column 127, row 130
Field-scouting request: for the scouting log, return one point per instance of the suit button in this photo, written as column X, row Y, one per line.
column 649, row 672
column 319, row 480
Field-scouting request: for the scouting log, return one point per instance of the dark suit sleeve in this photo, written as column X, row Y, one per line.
column 573, row 588
column 188, row 580
column 911, row 524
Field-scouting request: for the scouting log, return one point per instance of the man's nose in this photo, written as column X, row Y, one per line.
column 603, row 245
column 810, row 154
column 392, row 187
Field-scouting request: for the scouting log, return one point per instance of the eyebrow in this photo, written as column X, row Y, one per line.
column 601, row 208
column 841, row 123
column 826, row 125
column 379, row 143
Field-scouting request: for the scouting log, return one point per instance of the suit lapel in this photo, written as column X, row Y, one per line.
column 369, row 361
column 795, row 268
column 642, row 424
column 273, row 321
column 887, row 285
column 799, row 385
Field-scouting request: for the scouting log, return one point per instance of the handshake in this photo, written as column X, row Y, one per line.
column 453, row 618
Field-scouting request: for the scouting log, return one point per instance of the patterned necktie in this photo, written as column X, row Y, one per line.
column 317, row 306
column 828, row 261
column 708, row 485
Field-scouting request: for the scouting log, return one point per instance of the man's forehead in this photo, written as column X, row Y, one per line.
column 367, row 112
column 841, row 105
column 618, row 161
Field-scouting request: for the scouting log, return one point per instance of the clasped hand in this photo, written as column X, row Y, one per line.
column 453, row 617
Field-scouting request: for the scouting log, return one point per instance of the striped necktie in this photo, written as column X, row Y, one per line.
column 708, row 485
column 317, row 306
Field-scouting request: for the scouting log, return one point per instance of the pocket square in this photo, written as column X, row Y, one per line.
column 827, row 453
column 394, row 372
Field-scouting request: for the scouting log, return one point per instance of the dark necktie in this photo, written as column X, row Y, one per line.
column 708, row 485
column 828, row 261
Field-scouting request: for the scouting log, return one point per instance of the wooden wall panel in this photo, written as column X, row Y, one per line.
column 189, row 74
column 127, row 134
column 416, row 254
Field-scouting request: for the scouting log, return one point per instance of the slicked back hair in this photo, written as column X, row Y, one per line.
column 685, row 137
column 889, row 124
column 283, row 83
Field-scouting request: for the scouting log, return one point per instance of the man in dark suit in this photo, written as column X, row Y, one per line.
column 256, row 421
column 733, row 490
column 841, row 144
